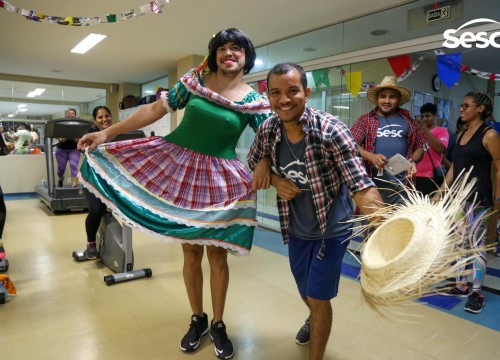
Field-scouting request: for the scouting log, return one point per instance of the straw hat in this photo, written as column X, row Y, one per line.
column 401, row 251
column 416, row 246
column 389, row 82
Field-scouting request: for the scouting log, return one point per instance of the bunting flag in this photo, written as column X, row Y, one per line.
column 353, row 82
column 152, row 7
column 399, row 64
column 110, row 18
column 262, row 86
column 126, row 15
column 448, row 68
column 320, row 77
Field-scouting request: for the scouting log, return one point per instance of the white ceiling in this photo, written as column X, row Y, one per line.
column 145, row 48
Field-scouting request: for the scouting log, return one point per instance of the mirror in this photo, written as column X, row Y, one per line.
column 35, row 103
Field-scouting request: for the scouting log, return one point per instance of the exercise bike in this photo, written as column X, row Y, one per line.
column 115, row 251
column 115, row 242
column 4, row 265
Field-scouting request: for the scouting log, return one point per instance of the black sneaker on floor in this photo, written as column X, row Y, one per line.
column 474, row 303
column 60, row 183
column 223, row 346
column 452, row 290
column 304, row 335
column 197, row 329
column 91, row 252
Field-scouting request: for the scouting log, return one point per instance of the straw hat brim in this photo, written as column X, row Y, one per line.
column 405, row 94
column 402, row 249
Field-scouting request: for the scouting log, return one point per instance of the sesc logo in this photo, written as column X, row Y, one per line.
column 467, row 38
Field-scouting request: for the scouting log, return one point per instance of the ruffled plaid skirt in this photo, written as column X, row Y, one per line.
column 173, row 193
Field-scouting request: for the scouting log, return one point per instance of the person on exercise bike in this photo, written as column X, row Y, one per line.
column 102, row 120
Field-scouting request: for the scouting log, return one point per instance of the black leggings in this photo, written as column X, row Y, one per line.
column 426, row 185
column 96, row 212
column 3, row 212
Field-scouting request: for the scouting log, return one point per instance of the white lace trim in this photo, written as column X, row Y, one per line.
column 236, row 250
column 186, row 80
column 164, row 101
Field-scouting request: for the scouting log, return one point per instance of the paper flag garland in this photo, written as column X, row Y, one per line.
column 464, row 68
column 152, row 7
column 410, row 71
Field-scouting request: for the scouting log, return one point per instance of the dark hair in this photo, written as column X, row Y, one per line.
column 429, row 107
column 74, row 110
column 484, row 99
column 97, row 108
column 236, row 37
column 284, row 68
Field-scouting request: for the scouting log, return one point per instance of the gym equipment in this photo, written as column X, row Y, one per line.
column 115, row 241
column 66, row 198
column 3, row 294
column 7, row 288
column 115, row 251
column 4, row 265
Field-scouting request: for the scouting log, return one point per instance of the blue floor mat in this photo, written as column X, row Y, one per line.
column 442, row 302
column 272, row 241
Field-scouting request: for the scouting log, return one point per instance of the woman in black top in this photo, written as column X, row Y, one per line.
column 477, row 148
column 102, row 118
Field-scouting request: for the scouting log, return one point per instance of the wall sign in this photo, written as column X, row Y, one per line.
column 438, row 14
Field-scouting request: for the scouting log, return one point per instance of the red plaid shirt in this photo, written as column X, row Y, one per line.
column 332, row 158
column 364, row 131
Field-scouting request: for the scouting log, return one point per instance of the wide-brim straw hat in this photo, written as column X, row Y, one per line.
column 389, row 82
column 416, row 246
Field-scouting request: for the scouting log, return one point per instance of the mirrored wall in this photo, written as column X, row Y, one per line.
column 36, row 102
column 42, row 101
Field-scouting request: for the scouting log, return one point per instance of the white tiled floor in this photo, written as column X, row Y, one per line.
column 64, row 310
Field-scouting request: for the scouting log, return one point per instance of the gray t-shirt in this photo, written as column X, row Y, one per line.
column 392, row 139
column 303, row 222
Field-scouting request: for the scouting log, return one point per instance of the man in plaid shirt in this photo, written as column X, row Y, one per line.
column 317, row 167
column 386, row 131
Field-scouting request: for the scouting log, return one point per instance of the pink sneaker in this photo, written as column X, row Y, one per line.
column 2, row 252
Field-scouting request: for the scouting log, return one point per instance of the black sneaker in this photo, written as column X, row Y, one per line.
column 474, row 303
column 60, row 183
column 91, row 252
column 197, row 329
column 304, row 335
column 223, row 346
column 452, row 290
